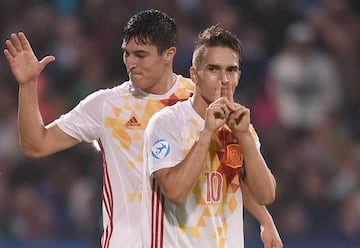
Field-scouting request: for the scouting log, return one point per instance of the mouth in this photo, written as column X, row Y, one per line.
column 136, row 77
column 132, row 74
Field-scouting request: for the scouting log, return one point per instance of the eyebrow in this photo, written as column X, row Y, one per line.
column 232, row 67
column 135, row 51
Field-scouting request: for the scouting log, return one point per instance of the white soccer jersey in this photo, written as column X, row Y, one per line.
column 116, row 118
column 212, row 215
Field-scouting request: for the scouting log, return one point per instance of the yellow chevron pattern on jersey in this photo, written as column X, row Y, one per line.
column 224, row 157
column 141, row 108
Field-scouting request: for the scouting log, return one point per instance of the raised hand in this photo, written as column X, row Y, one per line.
column 22, row 60
column 239, row 118
column 218, row 111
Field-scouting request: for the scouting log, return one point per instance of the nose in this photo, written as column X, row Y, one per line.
column 130, row 61
column 224, row 78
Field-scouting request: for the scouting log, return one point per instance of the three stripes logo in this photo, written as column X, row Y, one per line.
column 133, row 122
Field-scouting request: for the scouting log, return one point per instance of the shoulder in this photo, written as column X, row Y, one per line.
column 186, row 83
column 103, row 95
column 168, row 116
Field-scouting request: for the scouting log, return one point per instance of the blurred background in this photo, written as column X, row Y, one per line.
column 300, row 78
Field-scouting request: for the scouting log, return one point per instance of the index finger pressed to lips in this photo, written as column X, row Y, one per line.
column 230, row 93
column 217, row 92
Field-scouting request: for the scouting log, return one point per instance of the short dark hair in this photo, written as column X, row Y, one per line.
column 215, row 36
column 152, row 27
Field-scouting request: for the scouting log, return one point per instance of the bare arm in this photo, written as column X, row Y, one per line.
column 176, row 182
column 35, row 139
column 269, row 233
column 259, row 178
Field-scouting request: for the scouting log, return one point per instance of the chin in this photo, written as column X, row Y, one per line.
column 136, row 82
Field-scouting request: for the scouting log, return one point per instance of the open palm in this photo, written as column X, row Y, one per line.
column 22, row 60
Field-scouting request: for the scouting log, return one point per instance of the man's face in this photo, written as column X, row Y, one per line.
column 219, row 66
column 143, row 64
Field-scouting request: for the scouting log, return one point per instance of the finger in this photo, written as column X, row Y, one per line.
column 10, row 48
column 240, row 112
column 8, row 55
column 224, row 91
column 217, row 92
column 224, row 103
column 226, row 110
column 46, row 60
column 24, row 41
column 16, row 43
column 230, row 92
column 218, row 111
column 230, row 105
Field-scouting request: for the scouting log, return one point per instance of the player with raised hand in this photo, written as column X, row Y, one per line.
column 114, row 117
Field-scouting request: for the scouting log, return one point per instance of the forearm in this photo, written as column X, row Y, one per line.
column 260, row 212
column 177, row 182
column 268, row 231
column 30, row 122
column 259, row 178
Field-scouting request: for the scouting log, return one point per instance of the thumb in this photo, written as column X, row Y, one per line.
column 46, row 60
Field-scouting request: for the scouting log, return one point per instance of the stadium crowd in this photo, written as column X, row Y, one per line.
column 300, row 78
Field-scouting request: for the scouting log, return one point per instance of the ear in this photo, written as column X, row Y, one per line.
column 170, row 53
column 193, row 74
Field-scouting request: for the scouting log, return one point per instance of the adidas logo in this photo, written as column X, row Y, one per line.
column 133, row 122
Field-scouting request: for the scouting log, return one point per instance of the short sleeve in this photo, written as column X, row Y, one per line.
column 84, row 121
column 162, row 141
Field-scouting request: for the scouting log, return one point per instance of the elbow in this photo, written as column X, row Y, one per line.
column 32, row 152
column 266, row 199
column 177, row 201
column 176, row 198
column 267, row 196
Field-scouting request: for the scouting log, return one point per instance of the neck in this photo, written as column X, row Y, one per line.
column 170, row 80
column 199, row 104
column 164, row 84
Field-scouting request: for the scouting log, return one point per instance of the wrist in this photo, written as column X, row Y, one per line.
column 31, row 84
column 244, row 137
column 267, row 220
column 205, row 135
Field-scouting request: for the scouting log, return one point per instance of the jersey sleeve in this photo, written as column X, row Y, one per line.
column 84, row 121
column 162, row 141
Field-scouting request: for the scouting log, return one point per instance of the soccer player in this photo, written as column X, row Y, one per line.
column 115, row 117
column 203, row 160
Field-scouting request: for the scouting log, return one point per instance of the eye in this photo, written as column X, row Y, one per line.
column 233, row 69
column 140, row 55
column 212, row 69
column 126, row 54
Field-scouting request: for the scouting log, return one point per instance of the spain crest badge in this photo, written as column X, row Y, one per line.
column 234, row 156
